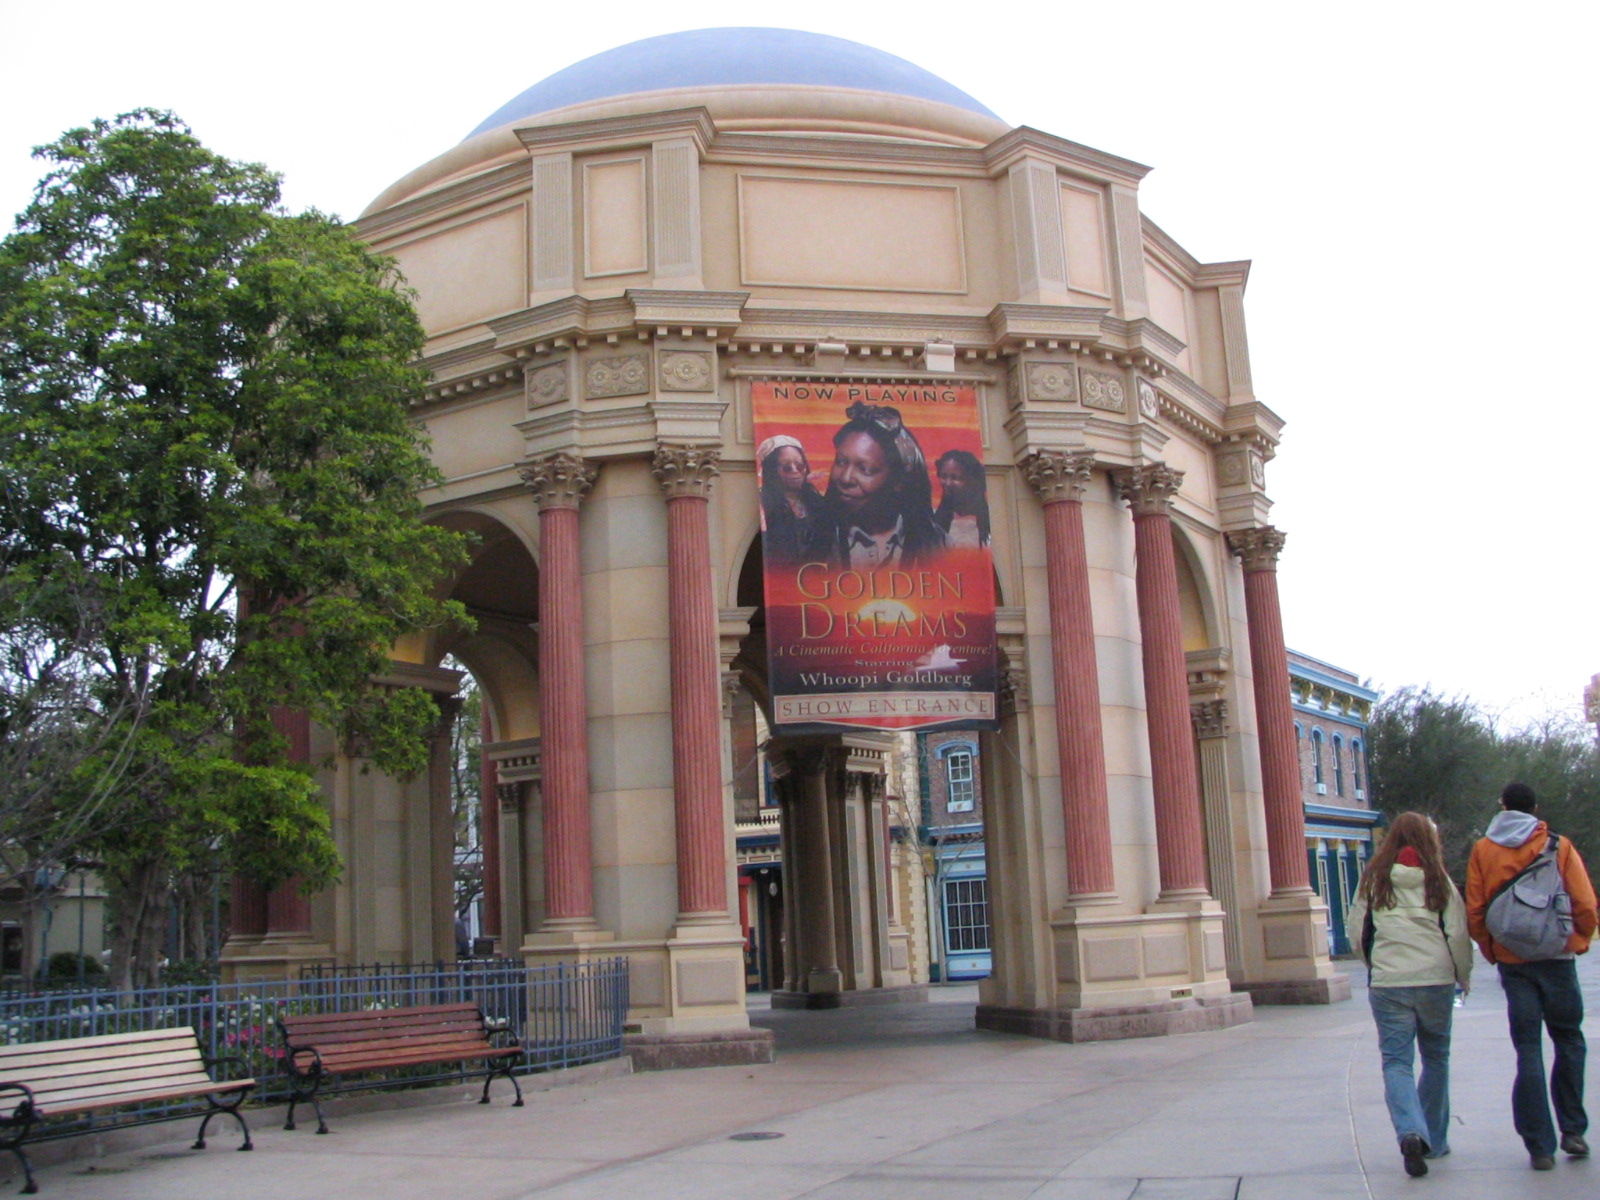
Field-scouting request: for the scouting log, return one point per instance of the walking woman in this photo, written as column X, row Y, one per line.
column 1418, row 952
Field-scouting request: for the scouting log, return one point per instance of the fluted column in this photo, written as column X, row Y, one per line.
column 1180, row 846
column 1258, row 549
column 288, row 909
column 1060, row 480
column 559, row 483
column 686, row 474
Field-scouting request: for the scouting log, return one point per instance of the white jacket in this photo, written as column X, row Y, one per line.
column 1408, row 947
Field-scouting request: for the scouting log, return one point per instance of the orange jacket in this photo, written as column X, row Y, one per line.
column 1492, row 866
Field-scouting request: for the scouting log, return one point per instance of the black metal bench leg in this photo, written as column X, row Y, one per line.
column 288, row 1123
column 27, row 1170
column 322, row 1126
column 217, row 1108
column 495, row 1071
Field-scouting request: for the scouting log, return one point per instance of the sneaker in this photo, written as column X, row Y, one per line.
column 1544, row 1162
column 1574, row 1145
column 1412, row 1148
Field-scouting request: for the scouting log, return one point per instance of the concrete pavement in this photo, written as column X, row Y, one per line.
column 912, row 1101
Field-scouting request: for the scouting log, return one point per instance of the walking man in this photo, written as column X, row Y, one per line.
column 1541, row 993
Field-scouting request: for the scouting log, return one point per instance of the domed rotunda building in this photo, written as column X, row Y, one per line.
column 625, row 274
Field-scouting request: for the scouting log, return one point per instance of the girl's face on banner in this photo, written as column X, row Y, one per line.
column 860, row 471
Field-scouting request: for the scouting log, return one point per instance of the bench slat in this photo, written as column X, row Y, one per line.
column 368, row 1015
column 390, row 1033
column 103, row 1039
column 443, row 1047
column 418, row 1060
column 16, row 1059
column 65, row 1106
column 176, row 1063
column 353, row 1028
column 80, row 1076
column 457, row 1053
column 72, row 1090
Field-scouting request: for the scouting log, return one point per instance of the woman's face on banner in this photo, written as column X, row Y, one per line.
column 792, row 472
column 860, row 471
column 953, row 483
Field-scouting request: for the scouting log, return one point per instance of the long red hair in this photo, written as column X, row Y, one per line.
column 1418, row 832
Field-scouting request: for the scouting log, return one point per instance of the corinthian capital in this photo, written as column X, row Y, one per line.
column 558, row 480
column 1258, row 548
column 686, row 470
column 1149, row 490
column 1057, row 476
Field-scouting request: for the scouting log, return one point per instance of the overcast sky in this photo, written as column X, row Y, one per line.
column 1414, row 182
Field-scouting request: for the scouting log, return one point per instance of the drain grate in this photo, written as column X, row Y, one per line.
column 762, row 1136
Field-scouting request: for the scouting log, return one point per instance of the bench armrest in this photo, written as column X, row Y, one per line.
column 234, row 1063
column 303, row 1062
column 24, row 1110
column 501, row 1035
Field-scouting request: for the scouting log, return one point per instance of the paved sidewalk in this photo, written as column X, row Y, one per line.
column 912, row 1102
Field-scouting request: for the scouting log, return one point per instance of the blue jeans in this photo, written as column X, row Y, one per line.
column 1545, row 995
column 1418, row 1018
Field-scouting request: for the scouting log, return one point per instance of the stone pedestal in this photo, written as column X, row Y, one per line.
column 1129, row 974
column 1291, row 932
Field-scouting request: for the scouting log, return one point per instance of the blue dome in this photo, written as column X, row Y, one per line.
column 717, row 57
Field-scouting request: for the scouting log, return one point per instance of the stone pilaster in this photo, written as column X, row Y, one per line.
column 1150, row 491
column 1060, row 481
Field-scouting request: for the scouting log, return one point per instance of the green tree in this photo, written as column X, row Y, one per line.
column 1446, row 757
column 203, row 404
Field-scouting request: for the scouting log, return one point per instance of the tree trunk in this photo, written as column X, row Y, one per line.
column 138, row 896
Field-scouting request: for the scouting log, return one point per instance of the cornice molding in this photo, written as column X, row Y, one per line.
column 1024, row 141
column 509, row 179
column 619, row 133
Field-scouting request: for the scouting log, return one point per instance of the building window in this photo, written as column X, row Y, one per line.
column 961, row 793
column 1316, row 759
column 1338, row 765
column 966, row 915
column 1356, row 773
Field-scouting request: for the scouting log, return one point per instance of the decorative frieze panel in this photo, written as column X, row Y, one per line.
column 1149, row 405
column 1052, row 381
column 685, row 371
column 1104, row 390
column 546, row 385
column 620, row 375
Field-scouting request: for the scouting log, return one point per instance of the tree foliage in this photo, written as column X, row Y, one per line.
column 1447, row 757
column 202, row 400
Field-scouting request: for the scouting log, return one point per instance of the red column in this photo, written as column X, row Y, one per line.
column 559, row 482
column 489, row 816
column 686, row 474
column 1269, row 669
column 288, row 909
column 1180, row 846
column 1060, row 480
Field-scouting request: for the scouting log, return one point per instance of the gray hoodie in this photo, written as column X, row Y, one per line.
column 1511, row 829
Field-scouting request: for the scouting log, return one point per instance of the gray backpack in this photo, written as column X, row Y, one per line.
column 1531, row 916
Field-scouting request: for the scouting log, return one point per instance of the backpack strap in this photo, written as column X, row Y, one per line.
column 1551, row 842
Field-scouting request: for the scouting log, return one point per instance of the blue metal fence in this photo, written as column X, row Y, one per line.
column 564, row 1015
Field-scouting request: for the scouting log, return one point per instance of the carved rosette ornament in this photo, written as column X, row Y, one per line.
column 685, row 371
column 546, row 385
column 559, row 480
column 1210, row 719
column 686, row 470
column 1149, row 490
column 1258, row 548
column 1056, row 476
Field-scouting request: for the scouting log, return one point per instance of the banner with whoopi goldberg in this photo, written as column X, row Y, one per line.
column 879, row 574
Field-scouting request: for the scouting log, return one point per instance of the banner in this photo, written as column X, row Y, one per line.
column 879, row 576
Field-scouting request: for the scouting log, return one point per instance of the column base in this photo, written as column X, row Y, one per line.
column 1111, row 959
column 1289, row 936
column 272, row 956
column 682, row 1051
column 916, row 993
column 1113, row 1023
column 689, row 983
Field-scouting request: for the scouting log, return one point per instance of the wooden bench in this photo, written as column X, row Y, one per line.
column 82, row 1075
column 316, row 1047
